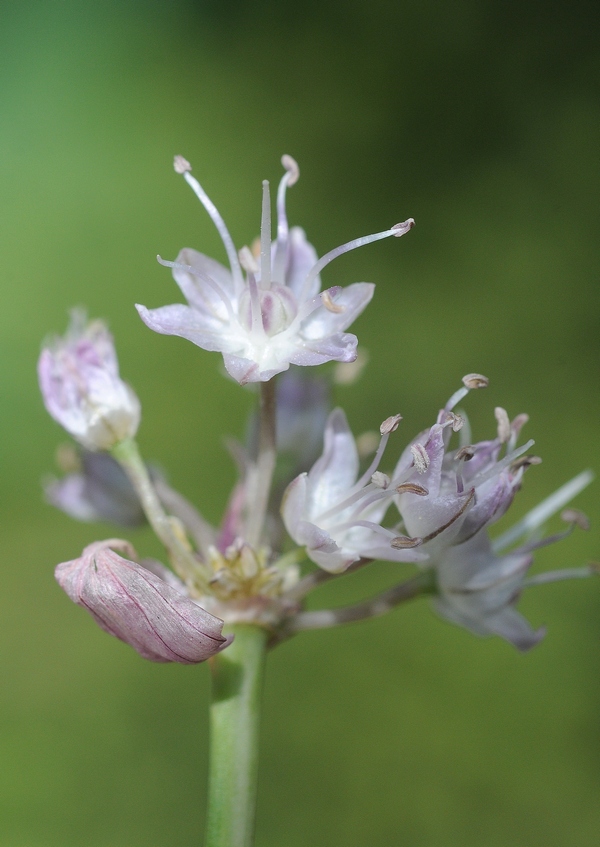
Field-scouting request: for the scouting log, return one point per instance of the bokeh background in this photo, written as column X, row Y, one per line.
column 479, row 118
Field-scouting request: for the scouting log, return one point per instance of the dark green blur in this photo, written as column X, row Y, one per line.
column 482, row 121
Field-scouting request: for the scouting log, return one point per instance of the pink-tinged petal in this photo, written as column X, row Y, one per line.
column 331, row 477
column 137, row 606
column 302, row 256
column 334, row 348
column 323, row 550
column 198, row 293
column 81, row 388
column 197, row 327
column 246, row 370
column 351, row 301
column 294, row 505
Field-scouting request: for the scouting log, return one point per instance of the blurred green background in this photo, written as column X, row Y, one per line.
column 481, row 120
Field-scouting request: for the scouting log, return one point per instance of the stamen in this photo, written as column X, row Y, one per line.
column 498, row 467
column 404, row 542
column 381, row 480
column 265, row 237
column 516, row 427
column 574, row 516
column 544, row 510
column 330, row 305
column 207, row 280
column 248, row 260
column 390, row 424
column 504, row 429
column 525, row 462
column 420, row 457
column 470, row 381
column 289, row 178
column 465, row 454
column 257, row 321
column 412, row 488
column 475, row 381
column 556, row 576
column 397, row 230
column 182, row 166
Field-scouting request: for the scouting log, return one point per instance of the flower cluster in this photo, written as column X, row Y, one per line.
column 434, row 510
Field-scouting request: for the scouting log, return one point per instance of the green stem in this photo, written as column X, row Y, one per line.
column 182, row 558
column 258, row 494
column 234, row 722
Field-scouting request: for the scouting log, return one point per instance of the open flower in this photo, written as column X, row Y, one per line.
column 267, row 311
column 147, row 609
column 81, row 387
column 336, row 514
column 447, row 499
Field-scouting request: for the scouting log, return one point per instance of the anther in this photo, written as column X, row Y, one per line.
column 381, row 480
column 248, row 261
column 181, row 165
column 330, row 305
column 456, row 421
column 403, row 228
column 390, row 424
column 504, row 429
column 412, row 488
column 420, row 457
column 404, row 542
column 574, row 516
column 475, row 381
column 465, row 454
column 291, row 166
column 525, row 462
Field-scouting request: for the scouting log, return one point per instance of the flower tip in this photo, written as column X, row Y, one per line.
column 475, row 381
column 390, row 424
column 403, row 228
column 404, row 542
column 181, row 165
column 576, row 517
column 291, row 166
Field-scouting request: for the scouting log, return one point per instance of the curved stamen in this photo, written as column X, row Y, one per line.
column 544, row 510
column 397, row 230
column 265, row 237
column 470, row 381
column 498, row 467
column 290, row 177
column 184, row 167
column 381, row 530
column 205, row 279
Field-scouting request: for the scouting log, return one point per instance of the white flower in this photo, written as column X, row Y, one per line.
column 274, row 315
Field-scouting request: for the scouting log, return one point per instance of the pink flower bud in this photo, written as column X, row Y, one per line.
column 134, row 604
column 81, row 387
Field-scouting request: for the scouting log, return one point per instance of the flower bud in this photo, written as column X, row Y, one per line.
column 81, row 387
column 135, row 604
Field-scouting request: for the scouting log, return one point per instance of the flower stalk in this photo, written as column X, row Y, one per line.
column 234, row 724
column 167, row 529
